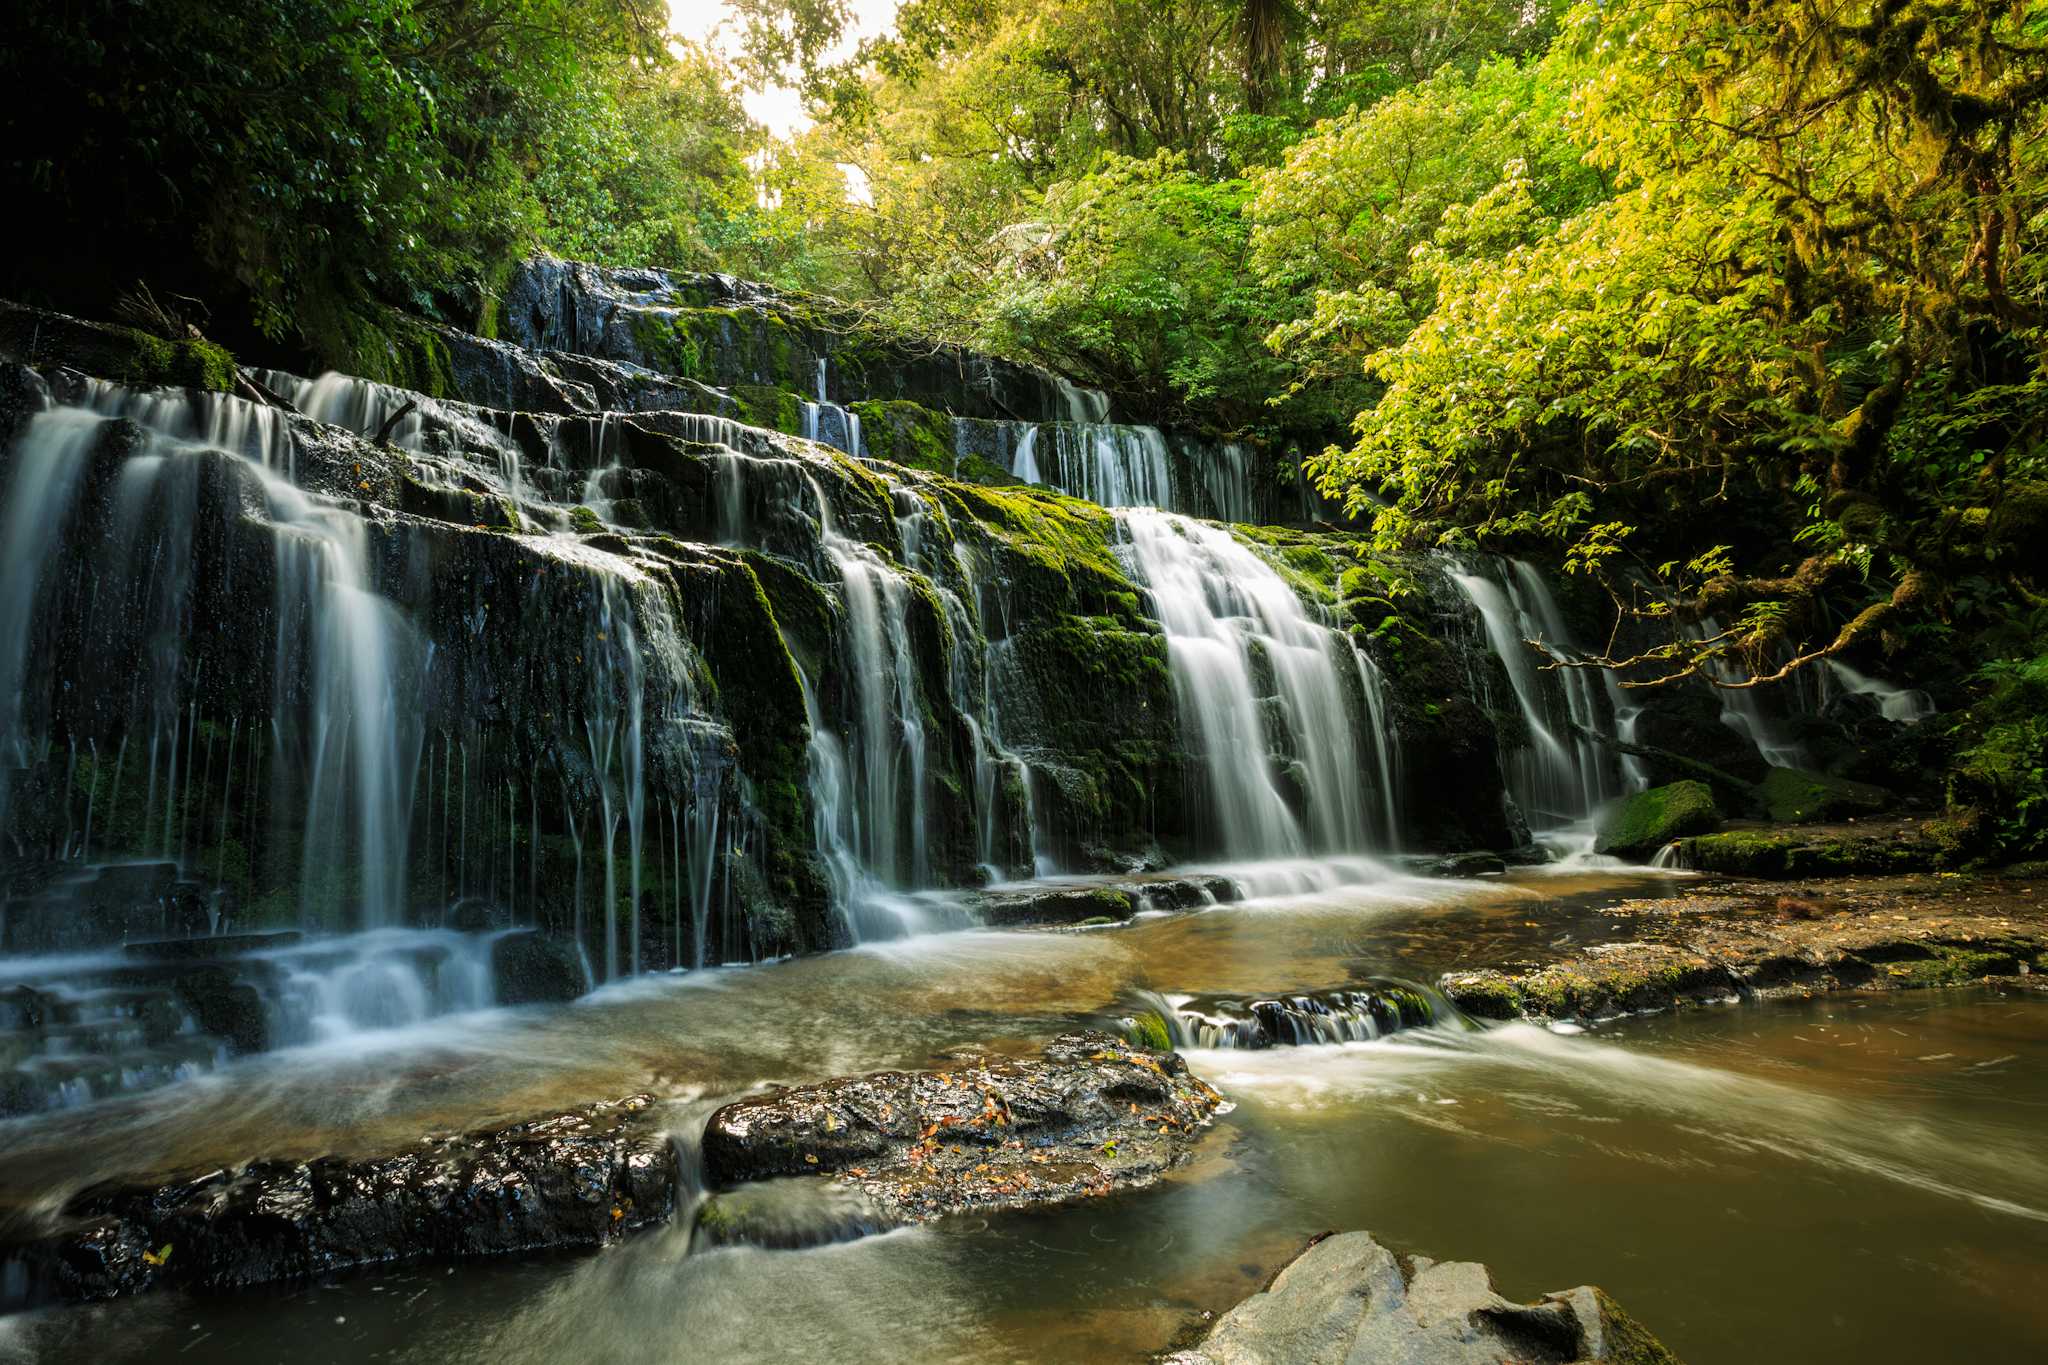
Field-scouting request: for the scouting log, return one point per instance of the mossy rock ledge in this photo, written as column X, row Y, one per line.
column 1637, row 826
column 1349, row 1298
column 1794, row 796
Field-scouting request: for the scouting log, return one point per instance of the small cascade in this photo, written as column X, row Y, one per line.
column 1671, row 857
column 1002, row 778
column 1899, row 705
column 87, row 1026
column 1111, row 466
column 869, row 792
column 830, row 424
column 1357, row 1014
column 1745, row 711
column 1283, row 780
column 1563, row 774
column 352, row 658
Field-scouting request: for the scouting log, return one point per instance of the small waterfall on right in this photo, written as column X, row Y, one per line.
column 1562, row 776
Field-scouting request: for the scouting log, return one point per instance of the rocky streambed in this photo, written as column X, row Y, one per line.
column 1219, row 1086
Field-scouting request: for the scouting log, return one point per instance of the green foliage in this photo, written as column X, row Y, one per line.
column 2003, row 769
column 297, row 165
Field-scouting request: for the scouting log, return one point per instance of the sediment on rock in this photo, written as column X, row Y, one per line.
column 1091, row 1115
column 1880, row 935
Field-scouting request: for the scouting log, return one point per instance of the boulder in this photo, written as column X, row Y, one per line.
column 577, row 1179
column 1794, row 796
column 530, row 968
column 1091, row 1115
column 1348, row 1299
column 1637, row 826
column 225, row 1005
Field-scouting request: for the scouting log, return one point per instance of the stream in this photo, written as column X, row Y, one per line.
column 1848, row 1179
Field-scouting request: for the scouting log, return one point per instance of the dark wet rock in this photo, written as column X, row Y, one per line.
column 475, row 915
column 73, row 908
column 578, row 1179
column 1729, row 946
column 1621, row 980
column 1467, row 865
column 1099, row 902
column 225, row 1004
column 1091, row 1115
column 531, row 968
column 1056, row 905
column 1347, row 1300
column 1637, row 826
column 210, row 946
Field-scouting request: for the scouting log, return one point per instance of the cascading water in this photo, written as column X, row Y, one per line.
column 1899, row 705
column 1564, row 773
column 1746, row 712
column 827, row 422
column 1236, row 635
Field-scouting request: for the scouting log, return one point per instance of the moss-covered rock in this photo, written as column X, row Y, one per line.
column 1779, row 853
column 125, row 355
column 1794, row 796
column 906, row 433
column 1637, row 826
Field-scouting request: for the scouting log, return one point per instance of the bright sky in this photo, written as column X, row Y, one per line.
column 778, row 107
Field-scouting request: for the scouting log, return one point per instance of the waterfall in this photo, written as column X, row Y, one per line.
column 1901, row 706
column 1230, row 619
column 1743, row 710
column 48, row 463
column 359, row 656
column 363, row 721
column 826, row 422
column 1116, row 465
column 1563, row 774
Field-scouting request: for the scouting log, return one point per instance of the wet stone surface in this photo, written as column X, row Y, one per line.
column 577, row 1179
column 1093, row 1114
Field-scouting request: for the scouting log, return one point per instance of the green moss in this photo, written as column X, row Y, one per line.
column 1485, row 995
column 585, row 521
column 1058, row 533
column 1773, row 854
column 125, row 355
column 762, row 405
column 1628, row 1342
column 1147, row 1029
column 1793, row 796
column 1639, row 825
column 907, row 433
column 1949, row 964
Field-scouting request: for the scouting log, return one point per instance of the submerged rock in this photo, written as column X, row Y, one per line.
column 577, row 1179
column 1637, row 826
column 1347, row 1300
column 1092, row 1115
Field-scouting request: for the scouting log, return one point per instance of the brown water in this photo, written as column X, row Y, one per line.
column 1859, row 1179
